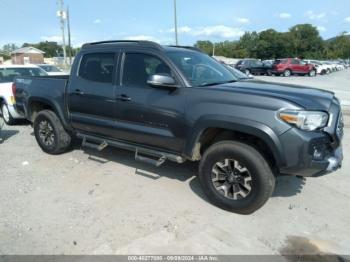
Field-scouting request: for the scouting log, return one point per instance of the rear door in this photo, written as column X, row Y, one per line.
column 297, row 67
column 91, row 94
column 257, row 67
column 147, row 115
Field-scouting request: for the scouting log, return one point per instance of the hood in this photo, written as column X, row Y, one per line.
column 306, row 97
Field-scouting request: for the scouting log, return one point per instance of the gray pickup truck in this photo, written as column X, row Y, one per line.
column 178, row 104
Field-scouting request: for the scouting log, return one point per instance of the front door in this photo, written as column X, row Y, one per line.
column 91, row 94
column 147, row 115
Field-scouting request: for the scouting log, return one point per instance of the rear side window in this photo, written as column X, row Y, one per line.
column 295, row 62
column 99, row 67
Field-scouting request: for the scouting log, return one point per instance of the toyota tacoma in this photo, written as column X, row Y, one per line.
column 177, row 103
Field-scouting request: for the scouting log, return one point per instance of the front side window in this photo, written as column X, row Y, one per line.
column 200, row 69
column 139, row 67
column 8, row 74
column 98, row 67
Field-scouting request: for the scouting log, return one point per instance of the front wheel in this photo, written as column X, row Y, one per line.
column 287, row 73
column 6, row 115
column 50, row 134
column 236, row 177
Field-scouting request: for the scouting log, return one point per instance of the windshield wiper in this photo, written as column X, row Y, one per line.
column 218, row 83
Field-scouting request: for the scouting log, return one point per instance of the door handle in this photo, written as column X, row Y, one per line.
column 124, row 98
column 78, row 92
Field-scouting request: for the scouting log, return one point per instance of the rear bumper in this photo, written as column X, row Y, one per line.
column 276, row 71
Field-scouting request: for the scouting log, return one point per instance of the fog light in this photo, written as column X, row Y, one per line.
column 318, row 154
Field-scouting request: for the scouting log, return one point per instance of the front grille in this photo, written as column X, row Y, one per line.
column 340, row 126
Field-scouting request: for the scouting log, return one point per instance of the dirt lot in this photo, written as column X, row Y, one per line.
column 85, row 202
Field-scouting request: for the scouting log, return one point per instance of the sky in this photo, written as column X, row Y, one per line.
column 216, row 20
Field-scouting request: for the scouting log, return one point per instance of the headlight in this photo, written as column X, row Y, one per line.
column 305, row 120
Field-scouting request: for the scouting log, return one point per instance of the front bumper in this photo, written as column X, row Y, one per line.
column 314, row 153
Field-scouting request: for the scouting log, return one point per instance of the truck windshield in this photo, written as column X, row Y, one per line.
column 8, row 74
column 200, row 69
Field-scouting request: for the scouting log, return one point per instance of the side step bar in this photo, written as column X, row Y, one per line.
column 146, row 155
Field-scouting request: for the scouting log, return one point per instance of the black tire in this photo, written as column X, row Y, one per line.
column 262, row 178
column 60, row 139
column 287, row 73
column 269, row 73
column 9, row 120
column 312, row 73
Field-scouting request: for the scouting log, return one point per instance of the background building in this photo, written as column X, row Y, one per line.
column 27, row 55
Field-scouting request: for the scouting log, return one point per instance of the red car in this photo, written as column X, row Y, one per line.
column 290, row 66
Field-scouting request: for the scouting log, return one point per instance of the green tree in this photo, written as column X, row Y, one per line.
column 205, row 46
column 305, row 41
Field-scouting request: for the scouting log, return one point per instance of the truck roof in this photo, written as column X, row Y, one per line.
column 141, row 43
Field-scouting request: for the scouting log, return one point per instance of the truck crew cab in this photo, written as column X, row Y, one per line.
column 178, row 104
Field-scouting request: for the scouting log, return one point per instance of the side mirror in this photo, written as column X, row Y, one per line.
column 162, row 81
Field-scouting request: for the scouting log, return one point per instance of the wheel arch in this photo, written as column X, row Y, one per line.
column 37, row 104
column 207, row 130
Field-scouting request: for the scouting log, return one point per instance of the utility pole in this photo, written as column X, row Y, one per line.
column 175, row 21
column 214, row 49
column 69, row 38
column 62, row 16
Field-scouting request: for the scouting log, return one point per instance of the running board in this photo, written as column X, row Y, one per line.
column 142, row 154
column 99, row 147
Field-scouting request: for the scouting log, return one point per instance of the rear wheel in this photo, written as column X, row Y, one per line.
column 312, row 73
column 50, row 134
column 6, row 115
column 287, row 73
column 236, row 177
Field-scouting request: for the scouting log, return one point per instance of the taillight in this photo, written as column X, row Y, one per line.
column 12, row 98
column 13, row 88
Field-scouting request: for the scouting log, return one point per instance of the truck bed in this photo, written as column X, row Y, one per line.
column 49, row 88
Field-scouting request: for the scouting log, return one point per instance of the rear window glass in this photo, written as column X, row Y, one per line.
column 280, row 61
column 98, row 67
column 7, row 75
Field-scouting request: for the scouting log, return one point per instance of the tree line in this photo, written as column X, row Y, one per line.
column 51, row 49
column 302, row 40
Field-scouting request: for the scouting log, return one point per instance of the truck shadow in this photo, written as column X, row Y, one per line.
column 6, row 134
column 286, row 186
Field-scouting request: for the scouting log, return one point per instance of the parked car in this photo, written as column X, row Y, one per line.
column 332, row 65
column 290, row 66
column 52, row 70
column 253, row 66
column 339, row 65
column 322, row 69
column 7, row 90
column 178, row 104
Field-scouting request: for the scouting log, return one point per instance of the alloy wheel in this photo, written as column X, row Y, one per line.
column 231, row 179
column 46, row 133
column 5, row 113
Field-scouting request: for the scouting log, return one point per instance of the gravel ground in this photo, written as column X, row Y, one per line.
column 84, row 202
